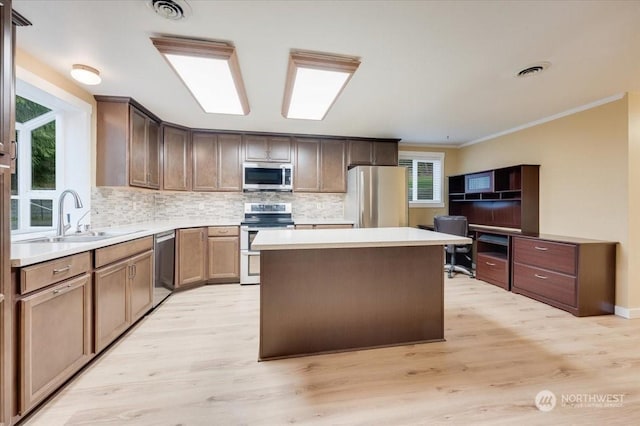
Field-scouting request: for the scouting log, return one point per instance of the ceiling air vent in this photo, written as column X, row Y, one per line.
column 173, row 10
column 533, row 69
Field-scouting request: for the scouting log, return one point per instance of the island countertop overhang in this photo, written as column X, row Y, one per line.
column 287, row 239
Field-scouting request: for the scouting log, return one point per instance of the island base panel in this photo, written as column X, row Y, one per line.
column 328, row 300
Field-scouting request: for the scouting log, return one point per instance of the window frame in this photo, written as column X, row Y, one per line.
column 74, row 127
column 429, row 157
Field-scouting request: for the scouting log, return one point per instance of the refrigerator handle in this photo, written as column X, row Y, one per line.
column 361, row 200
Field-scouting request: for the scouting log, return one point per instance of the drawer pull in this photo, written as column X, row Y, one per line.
column 542, row 277
column 61, row 289
column 490, row 264
column 224, row 231
column 61, row 270
column 541, row 248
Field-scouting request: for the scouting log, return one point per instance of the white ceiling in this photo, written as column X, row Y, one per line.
column 432, row 72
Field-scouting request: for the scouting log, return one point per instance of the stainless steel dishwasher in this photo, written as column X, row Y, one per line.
column 164, row 249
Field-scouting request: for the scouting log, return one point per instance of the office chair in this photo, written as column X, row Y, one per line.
column 455, row 225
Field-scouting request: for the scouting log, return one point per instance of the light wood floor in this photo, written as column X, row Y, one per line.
column 193, row 362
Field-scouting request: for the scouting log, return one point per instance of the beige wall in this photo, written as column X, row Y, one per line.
column 64, row 82
column 425, row 215
column 634, row 199
column 584, row 176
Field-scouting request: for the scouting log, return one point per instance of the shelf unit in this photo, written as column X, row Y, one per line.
column 506, row 197
column 493, row 258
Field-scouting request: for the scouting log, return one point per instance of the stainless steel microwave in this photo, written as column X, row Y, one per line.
column 267, row 177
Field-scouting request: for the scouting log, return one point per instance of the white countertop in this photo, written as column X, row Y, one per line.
column 23, row 254
column 279, row 239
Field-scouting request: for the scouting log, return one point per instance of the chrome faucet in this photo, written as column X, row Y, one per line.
column 62, row 228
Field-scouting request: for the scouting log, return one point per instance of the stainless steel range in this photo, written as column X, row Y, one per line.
column 259, row 216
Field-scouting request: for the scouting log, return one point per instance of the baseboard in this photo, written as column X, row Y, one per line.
column 627, row 313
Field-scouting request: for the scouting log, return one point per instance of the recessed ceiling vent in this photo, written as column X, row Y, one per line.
column 173, row 10
column 533, row 69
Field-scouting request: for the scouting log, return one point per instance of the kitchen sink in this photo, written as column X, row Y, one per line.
column 84, row 237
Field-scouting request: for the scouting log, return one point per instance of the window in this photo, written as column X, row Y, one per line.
column 34, row 185
column 425, row 177
column 46, row 124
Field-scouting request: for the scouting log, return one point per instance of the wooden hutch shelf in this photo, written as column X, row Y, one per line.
column 506, row 197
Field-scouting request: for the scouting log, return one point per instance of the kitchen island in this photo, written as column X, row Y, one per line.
column 345, row 289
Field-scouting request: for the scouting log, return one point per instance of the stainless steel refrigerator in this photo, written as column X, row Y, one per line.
column 377, row 196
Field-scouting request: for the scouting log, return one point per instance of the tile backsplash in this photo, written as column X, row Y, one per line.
column 118, row 206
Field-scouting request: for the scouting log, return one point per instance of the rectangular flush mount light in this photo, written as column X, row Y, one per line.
column 210, row 70
column 314, row 82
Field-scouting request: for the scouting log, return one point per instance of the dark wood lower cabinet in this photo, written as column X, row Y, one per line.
column 191, row 262
column 493, row 269
column 55, row 337
column 576, row 275
column 112, row 315
column 123, row 294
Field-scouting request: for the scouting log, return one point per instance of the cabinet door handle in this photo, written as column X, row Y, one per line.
column 58, row 291
column 61, row 270
column 15, row 152
column 134, row 271
column 541, row 248
column 542, row 277
column 490, row 264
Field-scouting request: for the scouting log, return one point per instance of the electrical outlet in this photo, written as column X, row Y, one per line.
column 201, row 206
column 319, row 206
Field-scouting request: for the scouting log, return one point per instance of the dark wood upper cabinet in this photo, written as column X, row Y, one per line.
column 333, row 162
column 267, row 148
column 372, row 152
column 128, row 144
column 306, row 170
column 177, row 159
column 229, row 162
column 138, row 149
column 385, row 153
column 360, row 153
column 320, row 165
column 6, row 83
column 204, row 148
column 216, row 162
column 134, row 149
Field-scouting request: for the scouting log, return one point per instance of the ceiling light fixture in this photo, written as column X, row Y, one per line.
column 85, row 74
column 314, row 82
column 210, row 70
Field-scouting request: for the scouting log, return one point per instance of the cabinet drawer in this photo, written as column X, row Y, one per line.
column 554, row 286
column 493, row 270
column 545, row 254
column 47, row 273
column 110, row 254
column 223, row 231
